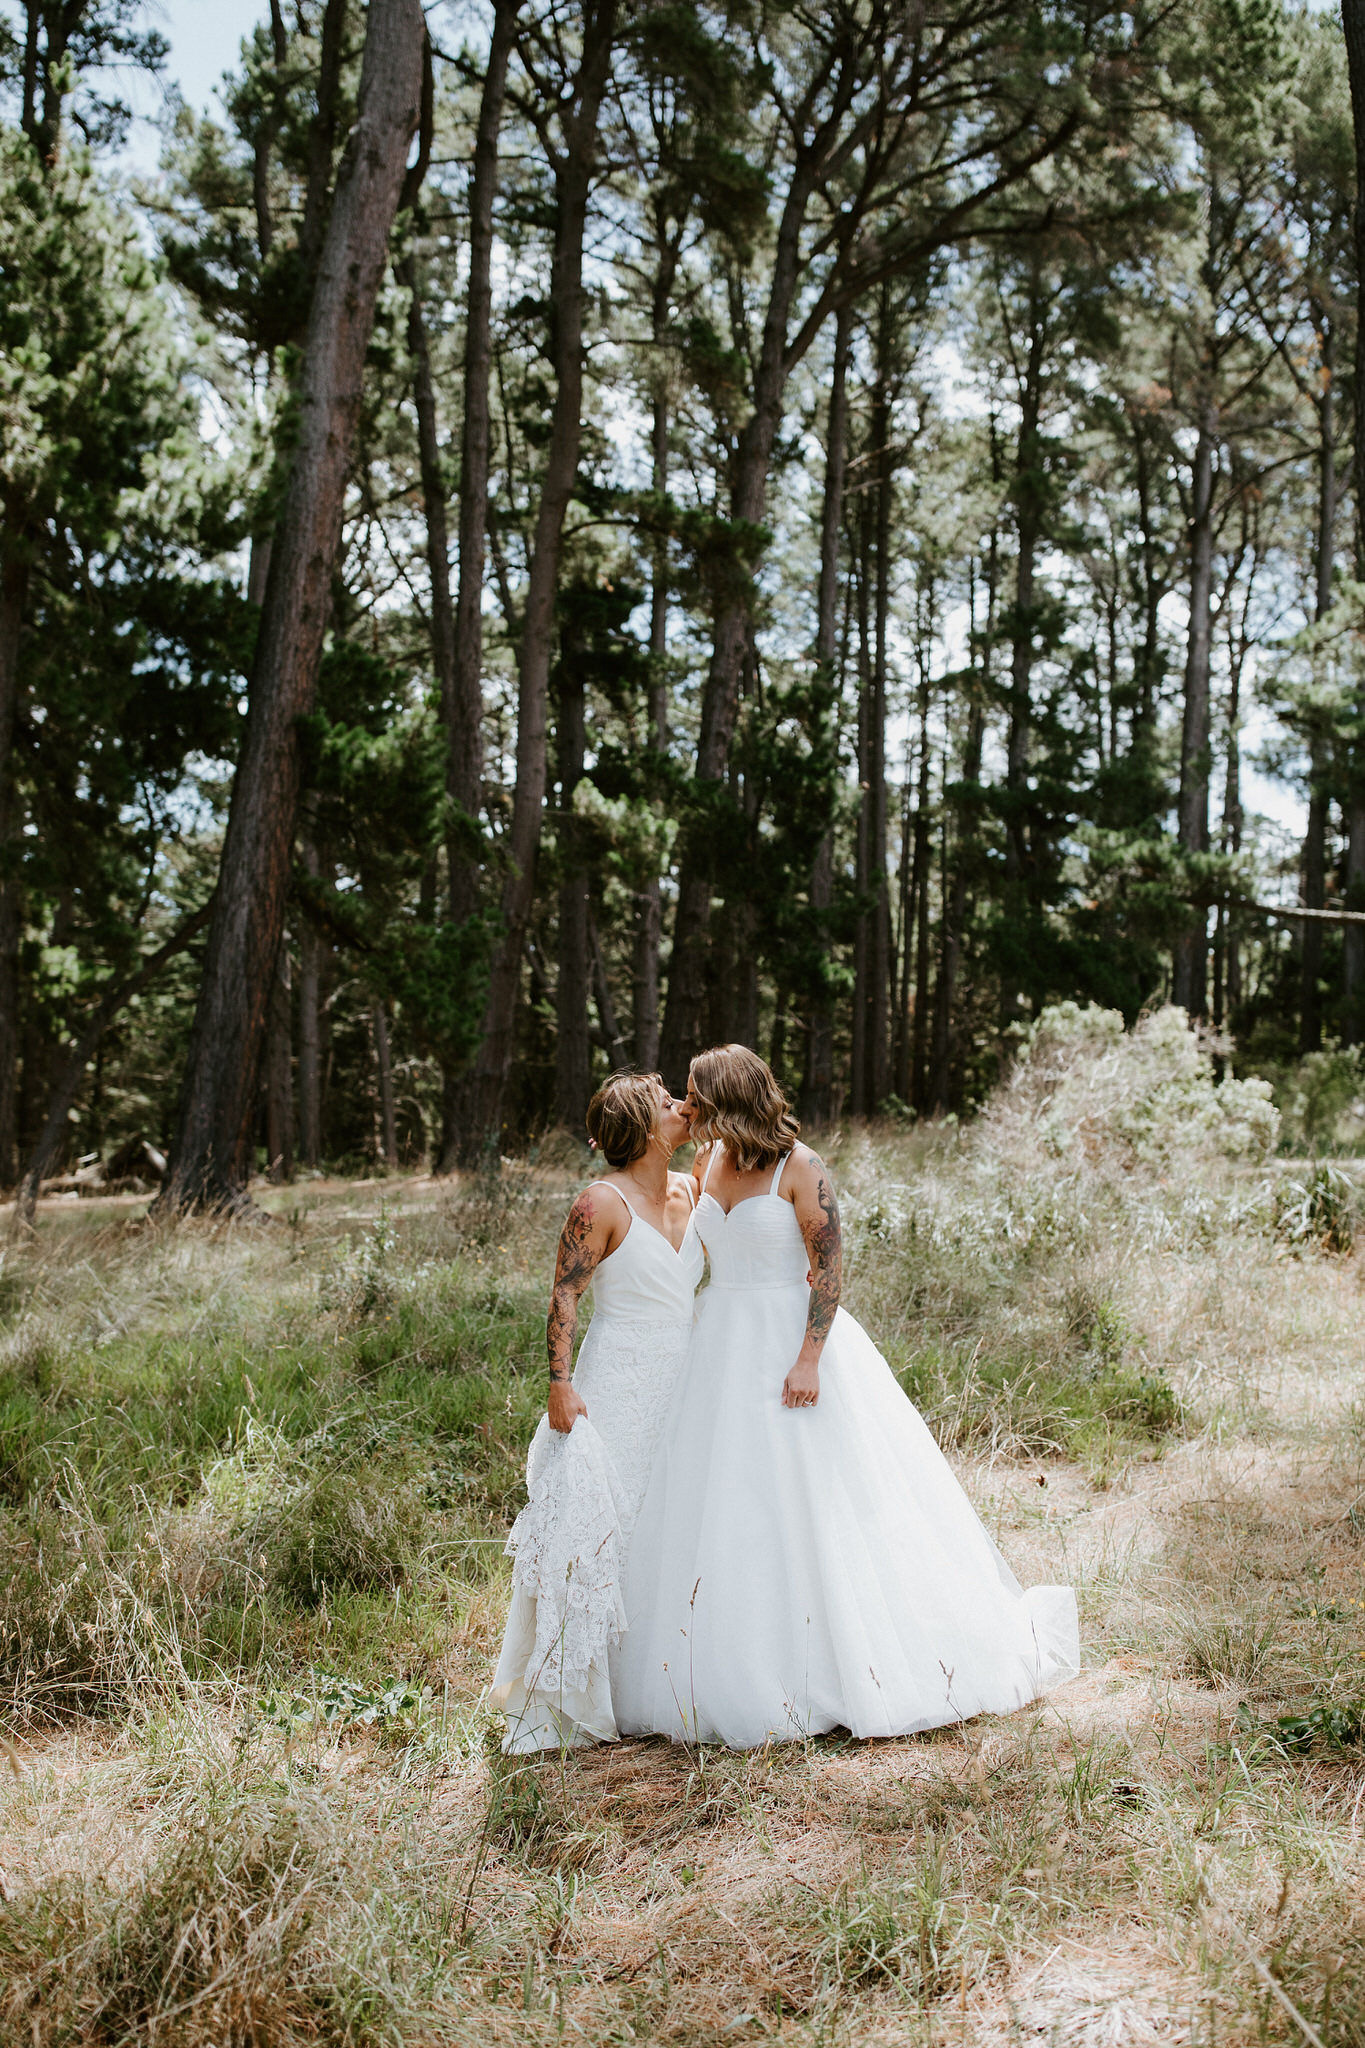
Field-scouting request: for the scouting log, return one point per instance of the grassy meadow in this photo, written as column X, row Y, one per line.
column 254, row 1487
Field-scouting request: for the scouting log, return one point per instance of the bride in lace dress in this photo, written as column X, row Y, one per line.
column 804, row 1558
column 630, row 1234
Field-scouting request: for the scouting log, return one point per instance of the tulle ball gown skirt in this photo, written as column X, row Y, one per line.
column 799, row 1570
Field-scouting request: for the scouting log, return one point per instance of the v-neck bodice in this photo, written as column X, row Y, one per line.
column 645, row 1279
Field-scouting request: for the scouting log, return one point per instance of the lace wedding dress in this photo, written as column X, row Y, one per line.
column 797, row 1570
column 568, row 1544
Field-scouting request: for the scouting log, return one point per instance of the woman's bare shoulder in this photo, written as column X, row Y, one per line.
column 591, row 1206
column 806, row 1169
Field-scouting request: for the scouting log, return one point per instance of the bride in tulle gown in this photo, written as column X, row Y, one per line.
column 804, row 1558
column 629, row 1235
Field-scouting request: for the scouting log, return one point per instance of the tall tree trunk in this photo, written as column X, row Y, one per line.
column 684, row 1017
column 817, row 1089
column 383, row 1069
column 210, row 1159
column 1149, row 658
column 310, row 1050
column 322, row 132
column 462, row 701
column 573, row 181
column 859, row 1081
column 649, row 899
column 1315, row 831
column 573, row 1065
column 613, row 1044
column 13, row 593
column 1028, row 501
column 940, row 1091
column 917, row 1093
column 1021, row 857
column 1353, row 1012
column 879, row 991
column 279, row 1072
column 1226, row 970
column 1189, row 982
column 903, row 951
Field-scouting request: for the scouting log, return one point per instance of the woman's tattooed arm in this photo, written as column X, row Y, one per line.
column 582, row 1242
column 817, row 1212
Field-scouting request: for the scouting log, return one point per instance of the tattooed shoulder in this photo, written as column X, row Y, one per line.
column 823, row 1185
column 577, row 1253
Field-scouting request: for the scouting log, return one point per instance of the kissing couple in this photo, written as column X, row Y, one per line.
column 739, row 1528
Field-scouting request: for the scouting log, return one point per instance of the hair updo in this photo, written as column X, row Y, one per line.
column 623, row 1116
column 740, row 1103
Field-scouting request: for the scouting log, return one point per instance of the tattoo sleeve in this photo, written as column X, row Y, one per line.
column 574, row 1264
column 824, row 1244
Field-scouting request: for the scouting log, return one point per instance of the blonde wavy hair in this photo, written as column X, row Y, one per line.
column 623, row 1116
column 739, row 1102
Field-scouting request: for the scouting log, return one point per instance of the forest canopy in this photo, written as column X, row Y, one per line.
column 548, row 536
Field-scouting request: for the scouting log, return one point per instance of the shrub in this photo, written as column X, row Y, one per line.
column 1084, row 1090
column 349, row 1527
column 1323, row 1099
column 1316, row 1211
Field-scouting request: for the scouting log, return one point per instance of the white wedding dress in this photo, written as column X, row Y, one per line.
column 568, row 1545
column 797, row 1570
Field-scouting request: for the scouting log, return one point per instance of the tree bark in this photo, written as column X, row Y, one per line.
column 383, row 1069
column 462, row 691
column 573, row 1064
column 322, row 133
column 279, row 1072
column 1190, row 977
column 1021, row 857
column 940, row 1090
column 1353, row 1011
column 817, row 1088
column 684, row 1017
column 1315, row 830
column 859, row 1088
column 310, row 1015
column 649, row 900
column 879, row 990
column 613, row 1043
column 955, row 906
column 210, row 1161
column 573, row 173
column 462, row 707
column 13, row 594
column 917, row 1093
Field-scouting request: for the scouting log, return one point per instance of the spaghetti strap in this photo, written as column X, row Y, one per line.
column 778, row 1175
column 619, row 1191
column 716, row 1151
column 691, row 1192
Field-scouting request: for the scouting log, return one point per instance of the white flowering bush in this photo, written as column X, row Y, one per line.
column 1085, row 1091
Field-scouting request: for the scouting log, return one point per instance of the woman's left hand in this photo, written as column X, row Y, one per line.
column 801, row 1388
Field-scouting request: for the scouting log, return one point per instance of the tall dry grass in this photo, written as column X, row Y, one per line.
column 253, row 1491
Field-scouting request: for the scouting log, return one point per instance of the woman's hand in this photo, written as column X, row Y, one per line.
column 801, row 1387
column 565, row 1405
